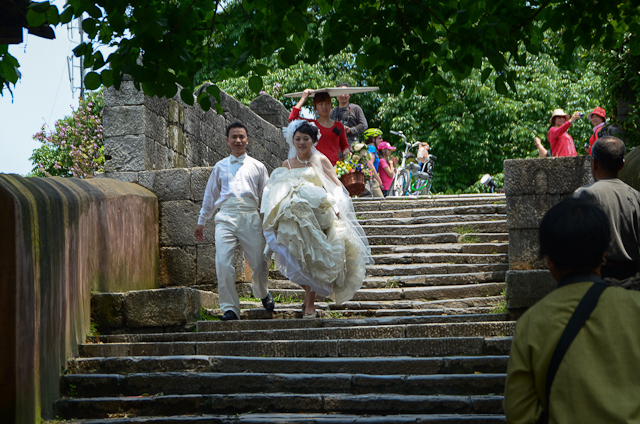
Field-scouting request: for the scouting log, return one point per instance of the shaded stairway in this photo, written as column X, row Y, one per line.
column 423, row 341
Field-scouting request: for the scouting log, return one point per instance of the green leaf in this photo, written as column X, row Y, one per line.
column 255, row 83
column 219, row 109
column 205, row 103
column 52, row 15
column 634, row 48
column 485, row 74
column 497, row 61
column 92, row 81
column 40, row 7
column 441, row 96
column 214, row 91
column 501, row 88
column 81, row 49
column 35, row 19
column 187, row 96
column 67, row 15
column 107, row 77
column 261, row 69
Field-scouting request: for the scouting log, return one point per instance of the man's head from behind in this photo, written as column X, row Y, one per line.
column 608, row 157
column 574, row 235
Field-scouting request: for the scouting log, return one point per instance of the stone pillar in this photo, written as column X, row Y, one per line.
column 532, row 187
column 270, row 110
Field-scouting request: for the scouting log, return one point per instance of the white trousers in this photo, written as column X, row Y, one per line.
column 238, row 221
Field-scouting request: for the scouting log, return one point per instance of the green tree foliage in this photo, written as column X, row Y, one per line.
column 410, row 44
column 75, row 148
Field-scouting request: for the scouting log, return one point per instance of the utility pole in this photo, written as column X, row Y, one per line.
column 70, row 59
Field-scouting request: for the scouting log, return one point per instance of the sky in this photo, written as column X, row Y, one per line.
column 42, row 96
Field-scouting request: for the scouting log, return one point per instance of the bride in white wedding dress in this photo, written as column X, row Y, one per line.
column 310, row 225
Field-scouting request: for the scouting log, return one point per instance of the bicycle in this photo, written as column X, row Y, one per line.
column 411, row 179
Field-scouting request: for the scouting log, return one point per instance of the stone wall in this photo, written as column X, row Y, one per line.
column 62, row 239
column 532, row 187
column 170, row 148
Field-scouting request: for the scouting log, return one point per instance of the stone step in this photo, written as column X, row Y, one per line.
column 271, row 324
column 433, row 279
column 398, row 270
column 406, row 331
column 239, row 364
column 460, row 228
column 435, row 258
column 452, row 237
column 394, row 204
column 188, row 383
column 455, row 210
column 486, row 248
column 431, row 219
column 421, row 347
column 484, row 301
column 277, row 402
column 409, row 293
column 286, row 418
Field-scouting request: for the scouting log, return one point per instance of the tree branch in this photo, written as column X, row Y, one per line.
column 531, row 18
column 180, row 20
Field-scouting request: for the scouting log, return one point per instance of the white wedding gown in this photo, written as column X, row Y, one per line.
column 312, row 245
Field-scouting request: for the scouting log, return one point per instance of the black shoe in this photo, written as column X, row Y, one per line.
column 229, row 316
column 268, row 303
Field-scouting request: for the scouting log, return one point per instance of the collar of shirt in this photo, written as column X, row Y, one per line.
column 239, row 159
column 597, row 127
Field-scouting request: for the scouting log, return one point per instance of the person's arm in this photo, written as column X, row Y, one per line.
column 343, row 144
column 387, row 166
column 211, row 194
column 295, row 112
column 362, row 124
column 521, row 403
column 371, row 166
column 542, row 152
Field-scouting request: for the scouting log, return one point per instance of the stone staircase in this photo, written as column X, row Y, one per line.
column 425, row 341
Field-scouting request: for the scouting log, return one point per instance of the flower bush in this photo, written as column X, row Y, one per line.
column 75, row 148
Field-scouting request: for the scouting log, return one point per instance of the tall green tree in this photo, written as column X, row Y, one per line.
column 410, row 44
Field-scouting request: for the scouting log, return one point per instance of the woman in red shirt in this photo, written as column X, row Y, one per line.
column 561, row 142
column 333, row 142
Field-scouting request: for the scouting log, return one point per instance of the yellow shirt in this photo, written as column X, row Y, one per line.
column 598, row 380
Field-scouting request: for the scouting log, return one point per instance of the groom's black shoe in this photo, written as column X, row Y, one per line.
column 268, row 303
column 229, row 316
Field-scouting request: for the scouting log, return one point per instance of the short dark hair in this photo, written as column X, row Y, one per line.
column 237, row 125
column 609, row 153
column 321, row 97
column 311, row 130
column 574, row 234
column 344, row 84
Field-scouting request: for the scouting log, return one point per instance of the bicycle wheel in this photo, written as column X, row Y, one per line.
column 402, row 183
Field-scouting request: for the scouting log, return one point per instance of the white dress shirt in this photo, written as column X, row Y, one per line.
column 233, row 177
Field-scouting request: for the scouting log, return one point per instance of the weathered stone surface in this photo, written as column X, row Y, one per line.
column 166, row 307
column 124, row 153
column 123, row 120
column 178, row 220
column 177, row 266
column 527, row 211
column 270, row 110
column 170, row 184
column 525, row 288
column 524, row 249
column 546, row 175
column 127, row 177
column 199, row 179
column 126, row 96
column 107, row 310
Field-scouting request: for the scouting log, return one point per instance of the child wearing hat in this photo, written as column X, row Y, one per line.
column 386, row 166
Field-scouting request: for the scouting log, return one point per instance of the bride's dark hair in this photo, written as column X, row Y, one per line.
column 311, row 130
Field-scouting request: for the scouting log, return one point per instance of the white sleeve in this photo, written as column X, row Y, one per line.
column 211, row 194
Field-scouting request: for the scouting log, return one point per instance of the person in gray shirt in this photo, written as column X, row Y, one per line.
column 620, row 202
column 350, row 115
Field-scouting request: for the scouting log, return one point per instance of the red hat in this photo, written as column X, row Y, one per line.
column 385, row 145
column 600, row 112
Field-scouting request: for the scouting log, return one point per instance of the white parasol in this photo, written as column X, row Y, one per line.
column 336, row 91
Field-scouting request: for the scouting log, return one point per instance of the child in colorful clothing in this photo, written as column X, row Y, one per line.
column 386, row 166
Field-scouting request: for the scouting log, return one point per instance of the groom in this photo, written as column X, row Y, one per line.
column 235, row 187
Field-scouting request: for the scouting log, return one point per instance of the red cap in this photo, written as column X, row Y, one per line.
column 600, row 112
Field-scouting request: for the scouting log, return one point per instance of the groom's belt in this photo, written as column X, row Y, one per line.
column 242, row 204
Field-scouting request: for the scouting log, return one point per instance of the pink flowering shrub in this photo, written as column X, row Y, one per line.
column 75, row 148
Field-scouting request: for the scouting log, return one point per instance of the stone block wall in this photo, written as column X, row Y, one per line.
column 532, row 187
column 170, row 148
column 61, row 240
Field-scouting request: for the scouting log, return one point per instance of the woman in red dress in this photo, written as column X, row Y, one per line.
column 333, row 142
